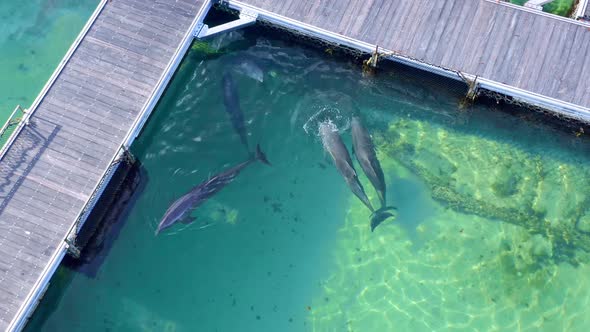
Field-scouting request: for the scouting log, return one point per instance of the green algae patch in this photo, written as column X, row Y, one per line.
column 544, row 194
column 557, row 7
column 204, row 48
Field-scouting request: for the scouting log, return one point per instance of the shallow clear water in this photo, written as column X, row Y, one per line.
column 34, row 36
column 490, row 234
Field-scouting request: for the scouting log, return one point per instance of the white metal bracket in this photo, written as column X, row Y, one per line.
column 246, row 18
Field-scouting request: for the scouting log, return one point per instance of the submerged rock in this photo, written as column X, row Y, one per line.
column 544, row 193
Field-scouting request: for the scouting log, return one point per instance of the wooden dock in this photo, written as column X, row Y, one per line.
column 541, row 58
column 98, row 99
column 92, row 106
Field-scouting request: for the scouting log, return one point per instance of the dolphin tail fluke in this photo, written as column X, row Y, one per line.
column 381, row 215
column 261, row 156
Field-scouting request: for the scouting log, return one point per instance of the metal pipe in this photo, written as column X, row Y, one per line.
column 581, row 9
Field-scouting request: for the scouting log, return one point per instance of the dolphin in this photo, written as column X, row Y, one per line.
column 364, row 151
column 380, row 215
column 334, row 145
column 181, row 208
column 232, row 106
column 250, row 69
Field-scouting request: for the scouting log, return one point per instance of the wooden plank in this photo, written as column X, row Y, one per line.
column 512, row 61
column 574, row 68
column 504, row 57
column 386, row 22
column 98, row 86
column 131, row 8
column 85, row 103
column 538, row 35
column 358, row 11
column 581, row 95
column 55, row 153
column 146, row 37
column 359, row 27
column 58, row 174
column 113, row 38
column 95, row 116
column 99, row 93
column 101, row 133
column 110, row 79
column 40, row 195
column 555, row 65
column 379, row 17
column 429, row 30
column 139, row 24
column 31, row 236
column 440, row 28
column 43, row 223
column 117, row 56
column 420, row 22
column 455, row 57
column 450, row 38
column 121, row 77
column 398, row 34
column 77, row 175
column 496, row 42
column 544, row 59
column 72, row 137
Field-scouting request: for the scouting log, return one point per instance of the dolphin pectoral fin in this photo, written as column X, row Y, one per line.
column 261, row 156
column 188, row 220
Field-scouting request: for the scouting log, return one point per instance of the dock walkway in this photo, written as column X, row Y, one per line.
column 541, row 58
column 51, row 170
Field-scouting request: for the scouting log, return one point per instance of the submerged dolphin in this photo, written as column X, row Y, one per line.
column 232, row 106
column 181, row 208
column 335, row 147
column 364, row 151
column 249, row 68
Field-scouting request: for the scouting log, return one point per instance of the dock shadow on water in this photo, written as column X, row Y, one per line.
column 492, row 228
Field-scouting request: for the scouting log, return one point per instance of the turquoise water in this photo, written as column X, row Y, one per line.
column 492, row 230
column 34, row 36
